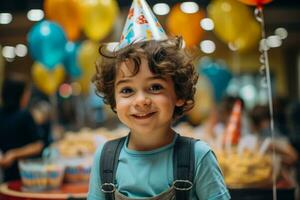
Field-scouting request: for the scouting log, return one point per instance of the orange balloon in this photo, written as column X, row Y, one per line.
column 66, row 13
column 255, row 2
column 186, row 25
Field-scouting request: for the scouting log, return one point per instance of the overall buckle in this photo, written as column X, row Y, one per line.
column 108, row 188
column 182, row 185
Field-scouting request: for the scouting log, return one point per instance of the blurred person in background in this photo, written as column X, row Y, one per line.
column 219, row 117
column 19, row 136
column 260, row 126
column 225, row 110
column 280, row 106
column 293, row 125
column 41, row 112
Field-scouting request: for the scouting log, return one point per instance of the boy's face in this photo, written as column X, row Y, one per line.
column 145, row 102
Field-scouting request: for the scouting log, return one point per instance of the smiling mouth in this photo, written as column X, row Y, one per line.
column 143, row 116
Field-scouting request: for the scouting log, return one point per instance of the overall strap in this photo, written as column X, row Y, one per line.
column 108, row 166
column 183, row 166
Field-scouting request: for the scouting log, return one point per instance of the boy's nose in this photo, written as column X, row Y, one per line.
column 142, row 100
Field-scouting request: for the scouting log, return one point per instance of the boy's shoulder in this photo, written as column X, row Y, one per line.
column 108, row 142
column 201, row 149
column 200, row 146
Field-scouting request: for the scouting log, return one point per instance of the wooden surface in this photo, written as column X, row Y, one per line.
column 13, row 191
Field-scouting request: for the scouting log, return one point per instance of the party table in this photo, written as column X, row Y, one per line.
column 68, row 191
column 285, row 190
column 261, row 193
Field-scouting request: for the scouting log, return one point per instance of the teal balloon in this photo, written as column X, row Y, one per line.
column 46, row 42
column 218, row 75
column 70, row 60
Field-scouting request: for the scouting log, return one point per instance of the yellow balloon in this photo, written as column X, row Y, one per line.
column 45, row 80
column 230, row 17
column 87, row 57
column 98, row 17
column 203, row 102
column 66, row 13
column 248, row 39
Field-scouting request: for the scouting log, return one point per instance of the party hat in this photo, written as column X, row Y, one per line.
column 141, row 25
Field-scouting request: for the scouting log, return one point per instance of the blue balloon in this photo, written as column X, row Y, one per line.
column 219, row 77
column 46, row 41
column 70, row 60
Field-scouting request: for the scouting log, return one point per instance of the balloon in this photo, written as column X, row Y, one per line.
column 249, row 39
column 66, row 13
column 203, row 101
column 98, row 17
column 186, row 25
column 87, row 57
column 46, row 41
column 255, row 2
column 219, row 77
column 70, row 61
column 230, row 17
column 45, row 80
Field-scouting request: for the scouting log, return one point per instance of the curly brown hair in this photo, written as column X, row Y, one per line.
column 165, row 58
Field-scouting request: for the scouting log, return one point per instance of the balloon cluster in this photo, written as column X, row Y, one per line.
column 52, row 43
column 95, row 18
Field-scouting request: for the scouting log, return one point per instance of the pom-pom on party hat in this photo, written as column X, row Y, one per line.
column 141, row 25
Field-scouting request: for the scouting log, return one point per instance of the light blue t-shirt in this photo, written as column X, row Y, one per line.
column 142, row 174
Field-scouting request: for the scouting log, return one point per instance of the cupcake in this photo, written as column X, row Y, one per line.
column 77, row 169
column 38, row 174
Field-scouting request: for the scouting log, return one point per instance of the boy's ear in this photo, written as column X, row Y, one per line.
column 179, row 102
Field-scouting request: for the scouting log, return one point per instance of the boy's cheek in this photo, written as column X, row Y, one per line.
column 121, row 104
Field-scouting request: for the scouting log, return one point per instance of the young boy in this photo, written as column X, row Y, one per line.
column 149, row 84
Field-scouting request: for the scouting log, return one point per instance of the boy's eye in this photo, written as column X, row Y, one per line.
column 126, row 91
column 156, row 88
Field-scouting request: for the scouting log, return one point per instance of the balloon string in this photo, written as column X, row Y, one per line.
column 265, row 67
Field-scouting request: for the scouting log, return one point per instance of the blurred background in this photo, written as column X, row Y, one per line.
column 279, row 16
column 54, row 43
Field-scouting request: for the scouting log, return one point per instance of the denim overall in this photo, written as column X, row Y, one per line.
column 167, row 195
